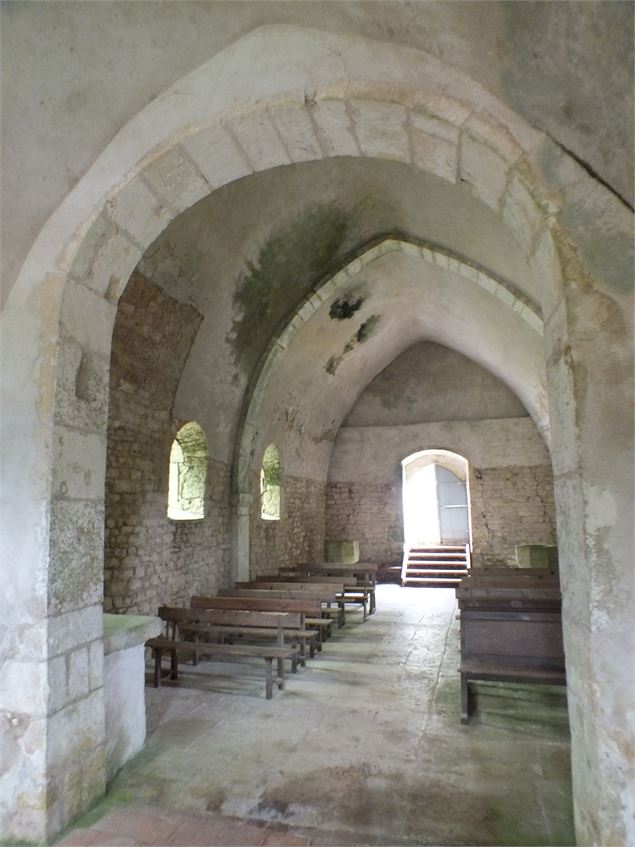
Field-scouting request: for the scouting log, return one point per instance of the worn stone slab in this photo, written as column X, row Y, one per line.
column 484, row 170
column 124, row 631
column 258, row 138
column 139, row 212
column 215, row 153
column 77, row 544
column 342, row 551
column 174, row 177
column 334, row 127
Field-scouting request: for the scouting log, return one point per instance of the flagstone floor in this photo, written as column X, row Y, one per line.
column 364, row 746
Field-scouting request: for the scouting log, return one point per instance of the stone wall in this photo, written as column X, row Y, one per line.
column 153, row 560
column 510, row 505
column 299, row 534
column 150, row 559
column 370, row 513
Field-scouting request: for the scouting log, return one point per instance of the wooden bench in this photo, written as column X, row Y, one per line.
column 327, row 597
column 243, row 625
column 351, row 592
column 511, row 631
column 310, row 610
column 365, row 573
column 200, row 619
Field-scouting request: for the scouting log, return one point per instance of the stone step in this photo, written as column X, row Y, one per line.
column 442, row 571
column 431, row 580
column 437, row 563
column 438, row 553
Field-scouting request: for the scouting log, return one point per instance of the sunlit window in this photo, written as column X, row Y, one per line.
column 188, row 474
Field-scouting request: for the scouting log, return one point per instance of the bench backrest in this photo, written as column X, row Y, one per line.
column 520, row 639
column 336, row 567
column 232, row 617
column 291, row 576
column 512, row 573
column 521, row 595
column 287, row 594
column 268, row 604
column 294, row 585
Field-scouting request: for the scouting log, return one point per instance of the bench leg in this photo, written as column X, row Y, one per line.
column 465, row 699
column 157, row 667
column 372, row 602
column 269, row 679
column 312, row 648
column 365, row 607
column 294, row 668
column 174, row 665
column 302, row 646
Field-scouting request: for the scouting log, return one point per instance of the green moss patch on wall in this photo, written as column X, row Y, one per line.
column 292, row 260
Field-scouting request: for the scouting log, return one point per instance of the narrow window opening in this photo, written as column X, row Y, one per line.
column 188, row 474
column 270, row 478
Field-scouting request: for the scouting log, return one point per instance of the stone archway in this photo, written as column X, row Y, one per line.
column 248, row 110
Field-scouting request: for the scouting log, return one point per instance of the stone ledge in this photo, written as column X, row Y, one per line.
column 123, row 631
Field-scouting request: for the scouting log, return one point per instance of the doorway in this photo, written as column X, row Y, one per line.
column 436, row 499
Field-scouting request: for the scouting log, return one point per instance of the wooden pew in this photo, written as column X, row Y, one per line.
column 346, row 587
column 309, row 609
column 327, row 597
column 365, row 574
column 511, row 631
column 201, row 620
column 249, row 626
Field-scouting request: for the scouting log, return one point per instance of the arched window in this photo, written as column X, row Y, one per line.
column 188, row 474
column 270, row 475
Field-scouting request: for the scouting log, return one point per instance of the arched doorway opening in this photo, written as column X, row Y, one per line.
column 436, row 517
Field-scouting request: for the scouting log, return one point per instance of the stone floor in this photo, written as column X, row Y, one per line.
column 363, row 747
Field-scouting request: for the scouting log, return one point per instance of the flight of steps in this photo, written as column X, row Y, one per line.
column 444, row 565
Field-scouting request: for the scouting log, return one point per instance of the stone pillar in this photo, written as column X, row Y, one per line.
column 240, row 547
column 589, row 347
column 51, row 671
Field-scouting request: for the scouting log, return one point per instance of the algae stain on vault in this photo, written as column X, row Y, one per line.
column 289, row 263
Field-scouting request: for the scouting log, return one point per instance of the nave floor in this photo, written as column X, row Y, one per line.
column 364, row 746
